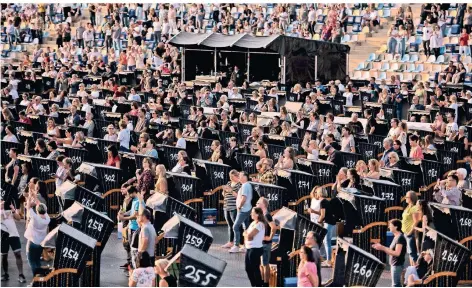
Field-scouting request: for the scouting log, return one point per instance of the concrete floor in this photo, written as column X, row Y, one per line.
column 114, row 256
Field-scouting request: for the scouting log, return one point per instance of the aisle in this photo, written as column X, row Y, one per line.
column 114, row 255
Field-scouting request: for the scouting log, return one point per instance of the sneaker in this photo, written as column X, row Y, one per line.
column 242, row 250
column 5, row 277
column 234, row 249
column 227, row 245
column 21, row 278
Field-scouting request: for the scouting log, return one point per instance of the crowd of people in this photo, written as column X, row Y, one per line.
column 322, row 136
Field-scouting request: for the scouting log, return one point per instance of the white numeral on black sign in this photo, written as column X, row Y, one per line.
column 451, row 257
column 95, row 225
column 465, row 222
column 69, row 253
column 193, row 240
column 362, row 271
column 196, row 274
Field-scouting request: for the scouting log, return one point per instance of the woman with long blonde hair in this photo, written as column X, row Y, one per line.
column 161, row 183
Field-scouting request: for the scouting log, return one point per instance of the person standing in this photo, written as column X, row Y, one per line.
column 253, row 238
column 243, row 205
column 8, row 219
column 270, row 230
column 312, row 241
column 396, row 251
column 307, row 270
column 147, row 236
column 143, row 275
column 409, row 224
column 327, row 220
column 36, row 231
column 230, row 192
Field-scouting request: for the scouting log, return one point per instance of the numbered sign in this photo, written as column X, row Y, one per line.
column 199, row 269
column 273, row 193
column 389, row 111
column 377, row 140
column 432, row 170
column 225, row 136
column 295, row 143
column 213, row 174
column 455, row 147
column 170, row 154
column 108, row 177
column 356, row 267
column 71, row 192
column 204, row 145
column 103, row 146
column 248, row 162
column 322, row 170
column 73, row 247
column 184, row 187
column 245, row 131
column 350, row 159
column 43, row 167
column 368, row 151
column 448, row 159
column 449, row 255
column 186, row 231
column 275, row 152
column 406, row 179
column 392, row 194
column 90, row 221
column 302, row 182
column 76, row 155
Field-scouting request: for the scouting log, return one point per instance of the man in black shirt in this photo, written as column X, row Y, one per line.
column 334, row 157
column 371, row 123
column 355, row 125
column 275, row 127
column 396, row 251
column 270, row 229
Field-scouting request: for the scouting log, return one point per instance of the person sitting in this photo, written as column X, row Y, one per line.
column 113, row 159
column 266, row 173
column 449, row 193
column 422, row 269
column 287, row 160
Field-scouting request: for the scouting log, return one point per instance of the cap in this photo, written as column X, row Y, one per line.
column 327, row 147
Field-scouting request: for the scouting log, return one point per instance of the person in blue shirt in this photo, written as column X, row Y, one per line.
column 132, row 214
column 151, row 148
column 244, row 206
column 398, row 102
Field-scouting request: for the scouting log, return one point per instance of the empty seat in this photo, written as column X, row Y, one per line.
column 411, row 67
column 405, row 58
column 360, row 66
column 371, row 57
column 394, row 67
column 431, row 59
column 382, row 76
column 455, row 30
column 440, row 59
column 346, row 38
column 385, row 66
column 413, row 58
column 357, row 75
column 376, row 66
column 388, row 57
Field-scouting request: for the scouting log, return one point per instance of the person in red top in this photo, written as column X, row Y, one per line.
column 23, row 118
column 463, row 42
column 113, row 157
column 123, row 60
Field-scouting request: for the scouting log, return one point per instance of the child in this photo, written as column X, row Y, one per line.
column 463, row 42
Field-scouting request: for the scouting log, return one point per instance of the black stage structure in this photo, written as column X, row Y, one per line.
column 262, row 57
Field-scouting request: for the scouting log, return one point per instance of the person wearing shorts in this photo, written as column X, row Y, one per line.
column 8, row 221
column 270, row 229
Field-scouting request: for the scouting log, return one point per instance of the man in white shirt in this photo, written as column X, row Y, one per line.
column 426, row 37
column 451, row 127
column 234, row 93
column 89, row 36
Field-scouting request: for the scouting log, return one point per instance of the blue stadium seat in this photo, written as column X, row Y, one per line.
column 290, row 282
column 321, row 19
column 455, row 30
column 350, row 20
column 468, row 78
column 358, row 19
column 414, row 47
column 450, row 48
column 449, row 20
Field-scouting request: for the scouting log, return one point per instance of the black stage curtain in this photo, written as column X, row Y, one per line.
column 198, row 63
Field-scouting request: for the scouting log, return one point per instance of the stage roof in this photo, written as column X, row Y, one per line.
column 281, row 44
